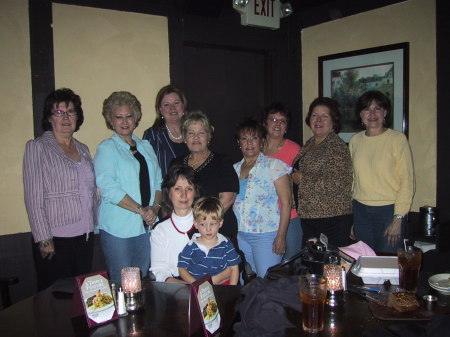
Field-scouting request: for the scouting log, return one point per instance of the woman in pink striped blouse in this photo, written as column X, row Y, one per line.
column 60, row 192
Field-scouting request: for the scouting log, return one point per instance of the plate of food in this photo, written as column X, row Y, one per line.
column 210, row 311
column 99, row 302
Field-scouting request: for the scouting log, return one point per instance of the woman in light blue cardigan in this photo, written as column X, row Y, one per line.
column 129, row 179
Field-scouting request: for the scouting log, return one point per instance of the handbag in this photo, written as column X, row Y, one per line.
column 310, row 259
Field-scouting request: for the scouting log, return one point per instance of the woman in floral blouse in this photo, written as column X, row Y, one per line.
column 262, row 224
column 323, row 171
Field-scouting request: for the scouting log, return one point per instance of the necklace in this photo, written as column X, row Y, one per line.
column 133, row 149
column 176, row 228
column 172, row 136
column 197, row 163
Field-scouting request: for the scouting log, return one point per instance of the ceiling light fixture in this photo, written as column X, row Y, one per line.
column 240, row 3
column 286, row 9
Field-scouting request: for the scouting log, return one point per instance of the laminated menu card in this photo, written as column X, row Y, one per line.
column 203, row 309
column 93, row 296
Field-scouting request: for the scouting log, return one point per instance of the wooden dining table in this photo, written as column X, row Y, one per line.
column 165, row 313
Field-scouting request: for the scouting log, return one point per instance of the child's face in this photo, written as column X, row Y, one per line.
column 208, row 227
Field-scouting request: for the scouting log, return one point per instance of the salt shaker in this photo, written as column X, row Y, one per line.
column 121, row 307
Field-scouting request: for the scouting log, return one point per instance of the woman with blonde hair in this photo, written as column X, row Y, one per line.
column 165, row 134
column 215, row 171
column 129, row 179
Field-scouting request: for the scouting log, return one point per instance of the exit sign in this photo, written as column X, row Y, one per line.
column 262, row 13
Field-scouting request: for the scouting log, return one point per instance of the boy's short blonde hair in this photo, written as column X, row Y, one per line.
column 208, row 206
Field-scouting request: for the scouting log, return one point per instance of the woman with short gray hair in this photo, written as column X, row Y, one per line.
column 214, row 170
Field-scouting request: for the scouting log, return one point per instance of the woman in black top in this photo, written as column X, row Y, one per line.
column 215, row 171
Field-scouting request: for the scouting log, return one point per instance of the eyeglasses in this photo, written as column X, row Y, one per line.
column 282, row 121
column 69, row 113
column 168, row 106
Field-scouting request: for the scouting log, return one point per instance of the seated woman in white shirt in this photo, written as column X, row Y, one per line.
column 179, row 190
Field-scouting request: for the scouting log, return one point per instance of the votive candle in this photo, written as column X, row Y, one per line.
column 131, row 280
column 333, row 273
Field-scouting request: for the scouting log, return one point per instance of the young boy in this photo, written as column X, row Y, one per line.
column 208, row 252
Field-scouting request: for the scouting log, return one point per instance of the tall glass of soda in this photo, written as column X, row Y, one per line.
column 313, row 292
column 409, row 261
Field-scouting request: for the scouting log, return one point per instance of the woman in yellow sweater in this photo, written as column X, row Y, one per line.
column 383, row 183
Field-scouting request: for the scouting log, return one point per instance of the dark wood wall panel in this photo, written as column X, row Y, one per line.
column 236, row 85
column 443, row 109
column 16, row 259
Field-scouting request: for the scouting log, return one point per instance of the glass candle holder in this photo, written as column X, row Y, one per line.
column 335, row 286
column 131, row 280
column 132, row 287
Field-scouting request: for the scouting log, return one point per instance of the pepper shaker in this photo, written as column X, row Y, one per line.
column 113, row 292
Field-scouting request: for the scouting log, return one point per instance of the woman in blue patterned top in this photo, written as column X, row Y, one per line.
column 262, row 224
column 165, row 134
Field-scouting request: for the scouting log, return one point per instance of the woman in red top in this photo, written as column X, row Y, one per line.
column 276, row 145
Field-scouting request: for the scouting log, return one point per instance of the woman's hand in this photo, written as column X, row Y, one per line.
column 352, row 233
column 296, row 176
column 47, row 249
column 283, row 188
column 148, row 215
column 393, row 232
column 279, row 245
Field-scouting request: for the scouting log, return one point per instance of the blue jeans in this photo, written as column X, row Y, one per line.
column 293, row 238
column 125, row 252
column 257, row 249
column 370, row 223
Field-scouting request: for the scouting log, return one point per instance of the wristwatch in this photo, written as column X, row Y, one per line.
column 397, row 216
column 44, row 243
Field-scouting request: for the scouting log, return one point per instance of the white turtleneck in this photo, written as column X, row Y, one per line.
column 167, row 241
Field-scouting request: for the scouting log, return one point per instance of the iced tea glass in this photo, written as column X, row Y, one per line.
column 313, row 292
column 409, row 261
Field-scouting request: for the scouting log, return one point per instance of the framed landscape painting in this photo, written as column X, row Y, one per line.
column 346, row 76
